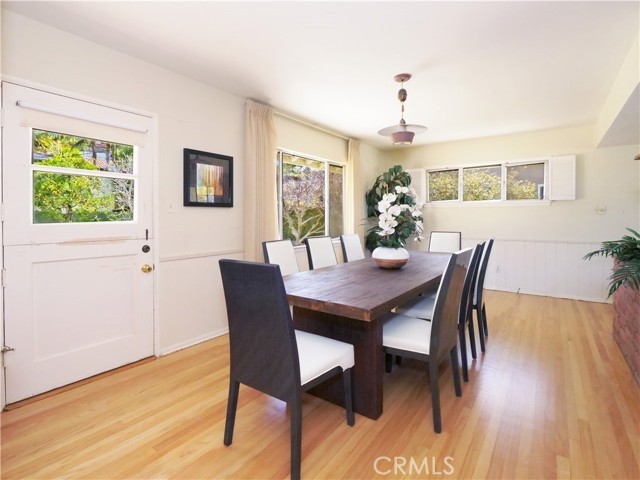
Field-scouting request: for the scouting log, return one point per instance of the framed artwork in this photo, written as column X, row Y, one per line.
column 208, row 179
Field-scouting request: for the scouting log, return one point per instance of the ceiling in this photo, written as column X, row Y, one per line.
column 479, row 68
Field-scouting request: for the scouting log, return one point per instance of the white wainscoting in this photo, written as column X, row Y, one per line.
column 191, row 299
column 548, row 268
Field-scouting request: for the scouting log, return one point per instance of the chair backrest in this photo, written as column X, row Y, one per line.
column 351, row 247
column 281, row 252
column 448, row 242
column 264, row 353
column 477, row 295
column 446, row 310
column 320, row 252
column 468, row 289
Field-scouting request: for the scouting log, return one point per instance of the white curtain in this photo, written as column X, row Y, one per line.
column 261, row 213
column 354, row 212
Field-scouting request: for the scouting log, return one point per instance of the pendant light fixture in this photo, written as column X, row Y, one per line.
column 403, row 133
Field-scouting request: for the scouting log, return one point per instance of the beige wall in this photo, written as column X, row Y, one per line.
column 189, row 114
column 606, row 177
column 302, row 138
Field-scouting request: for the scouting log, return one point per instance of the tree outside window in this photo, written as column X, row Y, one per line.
column 525, row 182
column 443, row 185
column 521, row 181
column 65, row 198
column 481, row 183
column 311, row 197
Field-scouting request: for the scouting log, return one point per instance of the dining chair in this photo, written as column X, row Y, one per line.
column 351, row 247
column 448, row 242
column 413, row 337
column 320, row 252
column 267, row 354
column 423, row 307
column 281, row 252
column 478, row 295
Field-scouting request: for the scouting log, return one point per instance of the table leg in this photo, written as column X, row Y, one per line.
column 366, row 338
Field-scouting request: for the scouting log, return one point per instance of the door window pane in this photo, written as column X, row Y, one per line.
column 525, row 182
column 60, row 197
column 481, row 183
column 58, row 149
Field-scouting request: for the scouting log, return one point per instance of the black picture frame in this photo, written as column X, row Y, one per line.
column 208, row 179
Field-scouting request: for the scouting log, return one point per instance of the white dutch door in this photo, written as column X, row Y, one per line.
column 78, row 242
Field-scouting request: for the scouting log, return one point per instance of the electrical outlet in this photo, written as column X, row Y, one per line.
column 171, row 208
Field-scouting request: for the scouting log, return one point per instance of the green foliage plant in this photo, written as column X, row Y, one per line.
column 391, row 199
column 626, row 252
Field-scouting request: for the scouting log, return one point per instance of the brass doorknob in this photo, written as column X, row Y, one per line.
column 146, row 268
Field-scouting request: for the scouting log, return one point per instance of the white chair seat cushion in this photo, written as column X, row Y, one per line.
column 421, row 307
column 407, row 333
column 320, row 354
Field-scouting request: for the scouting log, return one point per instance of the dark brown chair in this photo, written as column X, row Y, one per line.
column 478, row 295
column 466, row 305
column 320, row 252
column 448, row 242
column 269, row 355
column 431, row 341
column 281, row 252
column 423, row 306
column 351, row 247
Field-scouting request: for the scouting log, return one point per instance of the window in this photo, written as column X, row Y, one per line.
column 525, row 182
column 481, row 183
column 79, row 179
column 310, row 197
column 443, row 185
column 509, row 181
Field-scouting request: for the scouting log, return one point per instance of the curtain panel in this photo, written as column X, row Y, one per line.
column 261, row 213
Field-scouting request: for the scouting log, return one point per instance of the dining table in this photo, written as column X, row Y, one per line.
column 350, row 302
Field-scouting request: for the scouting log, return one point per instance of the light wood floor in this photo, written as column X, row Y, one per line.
column 551, row 398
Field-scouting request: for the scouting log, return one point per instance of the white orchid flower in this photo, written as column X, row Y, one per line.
column 395, row 210
column 383, row 205
column 400, row 189
column 389, row 197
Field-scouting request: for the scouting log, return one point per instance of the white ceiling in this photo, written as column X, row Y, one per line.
column 479, row 68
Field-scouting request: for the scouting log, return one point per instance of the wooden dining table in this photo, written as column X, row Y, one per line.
column 349, row 302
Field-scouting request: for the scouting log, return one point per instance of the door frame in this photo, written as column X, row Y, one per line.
column 153, row 147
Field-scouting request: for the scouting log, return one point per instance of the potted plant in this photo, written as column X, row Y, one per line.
column 395, row 205
column 626, row 253
column 625, row 287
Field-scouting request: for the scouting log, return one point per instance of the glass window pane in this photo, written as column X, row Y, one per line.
column 303, row 211
column 481, row 183
column 336, row 181
column 525, row 182
column 62, row 198
column 443, row 185
column 59, row 150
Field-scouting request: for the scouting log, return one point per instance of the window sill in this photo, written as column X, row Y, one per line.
column 491, row 203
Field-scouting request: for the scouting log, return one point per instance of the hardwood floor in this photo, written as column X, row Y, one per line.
column 551, row 398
